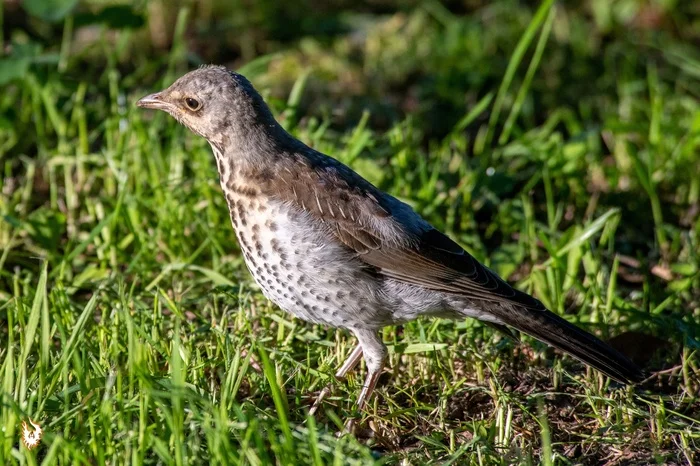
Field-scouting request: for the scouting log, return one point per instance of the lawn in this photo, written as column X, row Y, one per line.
column 559, row 143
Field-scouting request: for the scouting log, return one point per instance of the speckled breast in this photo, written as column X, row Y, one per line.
column 294, row 263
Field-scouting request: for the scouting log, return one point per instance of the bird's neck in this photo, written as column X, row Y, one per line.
column 256, row 153
column 249, row 166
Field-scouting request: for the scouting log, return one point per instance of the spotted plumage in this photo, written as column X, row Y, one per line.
column 329, row 247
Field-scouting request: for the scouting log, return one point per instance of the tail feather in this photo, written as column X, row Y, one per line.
column 559, row 333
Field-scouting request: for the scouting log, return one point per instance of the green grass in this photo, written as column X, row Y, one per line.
column 559, row 147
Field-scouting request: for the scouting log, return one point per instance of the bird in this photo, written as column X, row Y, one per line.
column 329, row 247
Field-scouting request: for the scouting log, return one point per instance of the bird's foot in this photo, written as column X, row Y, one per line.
column 319, row 399
column 348, row 428
column 347, row 366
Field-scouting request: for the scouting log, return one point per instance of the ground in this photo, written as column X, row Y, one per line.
column 558, row 143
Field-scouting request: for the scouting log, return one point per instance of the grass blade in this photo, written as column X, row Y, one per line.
column 515, row 60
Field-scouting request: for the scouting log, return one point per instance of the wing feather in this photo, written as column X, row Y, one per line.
column 389, row 236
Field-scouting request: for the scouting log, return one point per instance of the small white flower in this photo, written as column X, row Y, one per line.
column 31, row 438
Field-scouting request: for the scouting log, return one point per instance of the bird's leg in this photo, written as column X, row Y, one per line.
column 375, row 354
column 349, row 364
column 367, row 389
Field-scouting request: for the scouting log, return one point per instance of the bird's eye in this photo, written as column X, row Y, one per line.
column 192, row 104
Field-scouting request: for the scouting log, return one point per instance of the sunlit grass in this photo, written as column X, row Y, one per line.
column 132, row 332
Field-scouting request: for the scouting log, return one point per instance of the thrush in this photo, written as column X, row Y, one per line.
column 327, row 246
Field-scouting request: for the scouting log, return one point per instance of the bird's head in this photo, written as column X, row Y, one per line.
column 218, row 104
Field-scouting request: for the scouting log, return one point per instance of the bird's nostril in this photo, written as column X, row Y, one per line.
column 151, row 101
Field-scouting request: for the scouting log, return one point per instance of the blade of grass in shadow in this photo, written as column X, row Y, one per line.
column 215, row 277
column 278, row 400
column 290, row 115
column 477, row 110
column 257, row 66
column 585, row 234
column 83, row 245
column 177, row 373
column 45, row 341
column 546, row 456
column 8, row 416
column 645, row 168
column 30, row 333
column 178, row 51
column 359, row 139
column 529, row 74
column 612, row 285
column 313, row 441
column 513, row 64
column 70, row 347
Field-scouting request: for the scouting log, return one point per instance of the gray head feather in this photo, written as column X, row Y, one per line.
column 221, row 106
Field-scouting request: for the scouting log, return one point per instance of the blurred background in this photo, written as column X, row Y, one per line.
column 430, row 59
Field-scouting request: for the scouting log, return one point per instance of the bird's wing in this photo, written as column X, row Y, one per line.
column 436, row 262
column 389, row 236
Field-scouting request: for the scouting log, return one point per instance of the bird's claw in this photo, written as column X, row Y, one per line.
column 319, row 399
column 348, row 428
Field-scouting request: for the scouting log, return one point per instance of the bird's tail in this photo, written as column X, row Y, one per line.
column 555, row 331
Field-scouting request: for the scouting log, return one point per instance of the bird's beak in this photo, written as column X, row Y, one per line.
column 154, row 101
